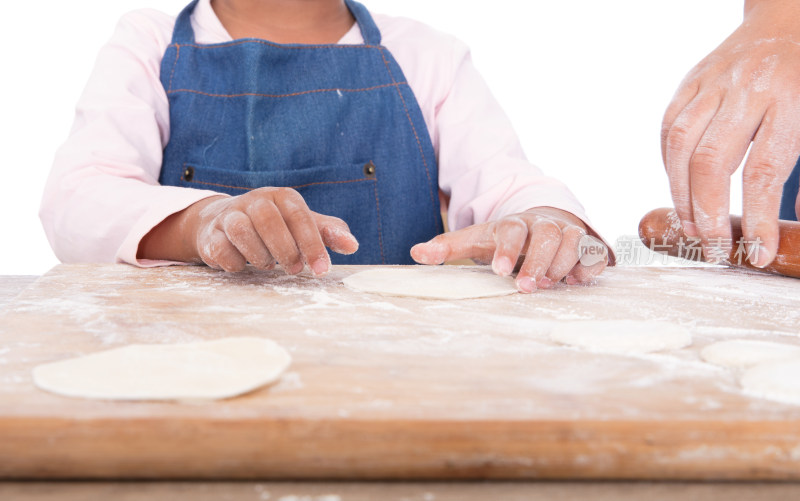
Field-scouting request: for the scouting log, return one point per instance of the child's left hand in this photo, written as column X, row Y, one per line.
column 546, row 240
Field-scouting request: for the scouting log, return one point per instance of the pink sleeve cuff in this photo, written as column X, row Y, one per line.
column 171, row 201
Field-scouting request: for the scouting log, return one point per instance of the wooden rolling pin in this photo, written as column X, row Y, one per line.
column 660, row 230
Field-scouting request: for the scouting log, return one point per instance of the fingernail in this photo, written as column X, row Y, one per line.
column 429, row 253
column 503, row 266
column 761, row 257
column 320, row 267
column 525, row 284
column 689, row 229
column 296, row 268
column 572, row 280
column 544, row 283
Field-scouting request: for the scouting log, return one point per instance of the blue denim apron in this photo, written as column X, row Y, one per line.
column 337, row 123
column 790, row 190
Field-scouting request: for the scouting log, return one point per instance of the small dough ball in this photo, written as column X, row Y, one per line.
column 742, row 353
column 432, row 282
column 779, row 381
column 622, row 336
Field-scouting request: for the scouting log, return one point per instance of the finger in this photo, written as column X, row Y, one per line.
column 681, row 141
column 686, row 92
column 476, row 241
column 545, row 239
column 567, row 255
column 217, row 249
column 268, row 222
column 510, row 234
column 718, row 154
column 241, row 233
column 300, row 222
column 593, row 260
column 772, row 157
column 586, row 275
column 336, row 234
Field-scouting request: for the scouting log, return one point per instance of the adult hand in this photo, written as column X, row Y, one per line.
column 746, row 91
column 260, row 227
column 546, row 240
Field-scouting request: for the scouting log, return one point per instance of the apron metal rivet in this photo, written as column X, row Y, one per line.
column 188, row 173
column 369, row 169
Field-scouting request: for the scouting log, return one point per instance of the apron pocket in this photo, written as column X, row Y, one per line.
column 348, row 192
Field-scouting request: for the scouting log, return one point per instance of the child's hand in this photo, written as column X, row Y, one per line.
column 260, row 227
column 268, row 225
column 546, row 239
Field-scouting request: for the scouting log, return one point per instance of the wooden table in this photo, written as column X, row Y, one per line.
column 248, row 490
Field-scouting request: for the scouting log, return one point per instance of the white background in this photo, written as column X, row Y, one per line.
column 585, row 82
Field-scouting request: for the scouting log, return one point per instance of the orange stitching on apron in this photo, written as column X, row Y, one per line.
column 293, row 187
column 413, row 128
column 253, row 94
column 380, row 231
column 172, row 74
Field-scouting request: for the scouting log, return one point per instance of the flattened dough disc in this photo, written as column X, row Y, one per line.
column 747, row 352
column 622, row 336
column 776, row 380
column 432, row 282
column 207, row 370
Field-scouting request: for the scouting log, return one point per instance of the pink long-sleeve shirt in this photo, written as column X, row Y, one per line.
column 103, row 195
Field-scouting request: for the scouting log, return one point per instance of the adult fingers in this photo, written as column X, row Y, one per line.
column 772, row 157
column 335, row 234
column 686, row 92
column 545, row 239
column 681, row 141
column 476, row 241
column 241, row 233
column 717, row 155
column 510, row 234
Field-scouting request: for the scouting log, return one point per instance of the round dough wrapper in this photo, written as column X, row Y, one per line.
column 622, row 336
column 741, row 353
column 432, row 282
column 778, row 381
column 207, row 370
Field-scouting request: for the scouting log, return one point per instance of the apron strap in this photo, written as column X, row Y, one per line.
column 369, row 31
column 183, row 32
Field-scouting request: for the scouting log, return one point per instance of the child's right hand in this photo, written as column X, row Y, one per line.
column 260, row 227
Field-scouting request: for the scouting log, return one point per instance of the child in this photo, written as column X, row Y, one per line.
column 263, row 131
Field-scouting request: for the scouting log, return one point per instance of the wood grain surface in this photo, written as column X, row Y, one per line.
column 404, row 388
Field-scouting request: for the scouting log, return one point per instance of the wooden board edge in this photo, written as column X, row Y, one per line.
column 350, row 449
